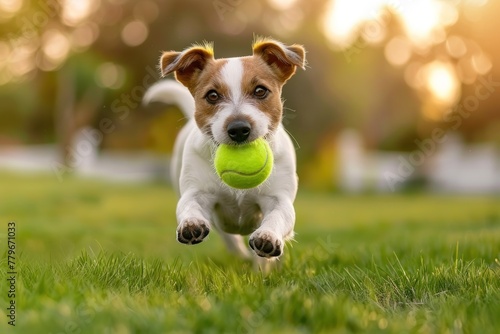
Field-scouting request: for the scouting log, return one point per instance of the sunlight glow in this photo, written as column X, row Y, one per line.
column 55, row 47
column 282, row 4
column 423, row 25
column 76, row 11
column 442, row 82
column 11, row 6
column 344, row 18
column 425, row 18
column 423, row 21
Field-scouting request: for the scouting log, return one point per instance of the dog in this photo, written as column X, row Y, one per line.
column 232, row 101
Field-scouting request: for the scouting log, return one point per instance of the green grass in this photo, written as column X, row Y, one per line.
column 95, row 257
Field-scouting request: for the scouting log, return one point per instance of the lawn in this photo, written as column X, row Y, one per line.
column 97, row 257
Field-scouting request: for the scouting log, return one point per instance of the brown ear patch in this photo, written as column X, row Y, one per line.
column 282, row 59
column 187, row 64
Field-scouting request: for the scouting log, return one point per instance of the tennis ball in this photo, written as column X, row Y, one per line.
column 244, row 166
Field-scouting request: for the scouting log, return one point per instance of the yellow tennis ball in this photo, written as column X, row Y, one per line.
column 244, row 166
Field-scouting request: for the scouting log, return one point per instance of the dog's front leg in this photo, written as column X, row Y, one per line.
column 276, row 227
column 193, row 212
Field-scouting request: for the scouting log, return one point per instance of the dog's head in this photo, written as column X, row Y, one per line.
column 237, row 99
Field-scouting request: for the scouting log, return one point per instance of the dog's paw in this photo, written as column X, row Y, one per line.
column 192, row 231
column 266, row 244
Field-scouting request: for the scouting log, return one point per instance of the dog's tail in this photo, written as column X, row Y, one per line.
column 171, row 92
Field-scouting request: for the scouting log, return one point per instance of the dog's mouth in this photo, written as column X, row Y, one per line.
column 267, row 137
column 227, row 140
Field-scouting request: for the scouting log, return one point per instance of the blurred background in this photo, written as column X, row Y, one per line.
column 397, row 95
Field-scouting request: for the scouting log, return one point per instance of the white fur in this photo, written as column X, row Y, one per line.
column 245, row 109
column 170, row 92
column 265, row 212
column 232, row 75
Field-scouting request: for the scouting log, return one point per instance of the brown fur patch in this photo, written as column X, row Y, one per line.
column 208, row 80
column 257, row 73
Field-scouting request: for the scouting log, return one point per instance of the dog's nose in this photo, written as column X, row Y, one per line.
column 239, row 131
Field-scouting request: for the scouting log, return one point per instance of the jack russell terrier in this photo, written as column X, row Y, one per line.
column 231, row 101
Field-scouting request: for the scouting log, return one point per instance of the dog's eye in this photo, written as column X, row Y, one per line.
column 260, row 92
column 212, row 96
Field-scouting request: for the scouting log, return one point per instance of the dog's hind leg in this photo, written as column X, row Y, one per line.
column 236, row 245
column 234, row 242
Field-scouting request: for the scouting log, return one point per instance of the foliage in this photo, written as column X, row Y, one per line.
column 117, row 44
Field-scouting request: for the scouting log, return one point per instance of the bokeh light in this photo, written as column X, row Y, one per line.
column 423, row 25
column 84, row 35
column 9, row 8
column 442, row 82
column 282, row 4
column 76, row 11
column 134, row 33
column 55, row 47
column 456, row 46
column 481, row 63
column 344, row 18
column 21, row 60
column 389, row 69
column 398, row 51
column 110, row 75
column 424, row 21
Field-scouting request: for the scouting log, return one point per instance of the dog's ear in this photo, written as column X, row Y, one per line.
column 282, row 59
column 187, row 64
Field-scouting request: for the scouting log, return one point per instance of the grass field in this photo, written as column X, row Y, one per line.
column 94, row 257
